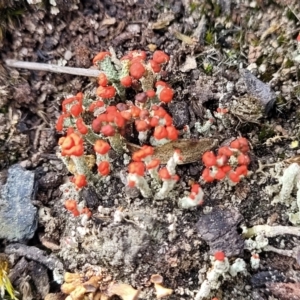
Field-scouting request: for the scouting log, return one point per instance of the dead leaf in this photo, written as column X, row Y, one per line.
column 163, row 21
column 189, row 64
column 191, row 150
column 184, row 38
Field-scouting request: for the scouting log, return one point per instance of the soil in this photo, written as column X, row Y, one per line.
column 211, row 45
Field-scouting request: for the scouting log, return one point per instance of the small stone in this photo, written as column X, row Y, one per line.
column 180, row 113
column 189, row 64
column 18, row 217
column 68, row 55
column 134, row 28
column 132, row 192
column 219, row 229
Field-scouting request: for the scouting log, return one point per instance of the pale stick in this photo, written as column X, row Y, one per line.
column 51, row 68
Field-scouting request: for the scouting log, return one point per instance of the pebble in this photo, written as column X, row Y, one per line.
column 68, row 55
column 180, row 113
column 133, row 28
column 18, row 217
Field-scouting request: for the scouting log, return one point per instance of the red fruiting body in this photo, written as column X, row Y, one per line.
column 101, row 147
column 80, row 181
column 160, row 132
column 209, row 159
column 102, row 80
column 243, row 159
column 166, row 95
column 131, row 183
column 206, row 175
column 144, row 114
column 155, row 66
column 234, row 177
column 160, row 57
column 82, row 128
column 225, row 151
column 95, row 105
column 154, row 163
column 220, row 174
column 143, row 153
column 106, row 92
column 168, row 120
column 241, row 170
column 240, row 144
column 111, row 109
column 86, row 211
column 141, row 125
column 100, row 56
column 158, row 111
column 164, row 174
column 70, row 204
column 219, row 255
column 126, row 115
column 226, row 168
column 137, row 70
column 104, row 168
column 172, row 133
column 154, row 122
column 126, row 81
column 148, row 150
column 135, row 111
column 76, row 110
column 96, row 125
column 195, row 188
column 136, row 168
column 108, row 130
column 71, row 145
column 151, row 93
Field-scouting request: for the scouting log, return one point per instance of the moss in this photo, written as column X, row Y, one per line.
column 289, row 63
column 281, row 40
column 209, row 37
column 265, row 133
column 217, row 10
column 207, row 68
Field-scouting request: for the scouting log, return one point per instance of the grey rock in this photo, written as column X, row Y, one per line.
column 219, row 229
column 259, row 90
column 39, row 275
column 180, row 114
column 18, row 217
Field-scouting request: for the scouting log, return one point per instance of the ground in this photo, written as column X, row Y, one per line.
column 212, row 46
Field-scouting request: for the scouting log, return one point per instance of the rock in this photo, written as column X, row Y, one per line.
column 39, row 276
column 218, row 229
column 18, row 217
column 262, row 278
column 259, row 90
column 189, row 64
column 180, row 113
column 68, row 55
